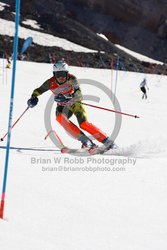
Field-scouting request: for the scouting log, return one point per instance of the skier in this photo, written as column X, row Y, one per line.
column 9, row 62
column 143, row 86
column 68, row 96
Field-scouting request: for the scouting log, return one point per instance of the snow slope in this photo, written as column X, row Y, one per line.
column 109, row 202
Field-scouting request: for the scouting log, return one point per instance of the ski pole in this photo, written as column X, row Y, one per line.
column 110, row 110
column 15, row 123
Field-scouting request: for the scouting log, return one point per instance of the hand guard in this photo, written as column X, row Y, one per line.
column 32, row 102
column 62, row 98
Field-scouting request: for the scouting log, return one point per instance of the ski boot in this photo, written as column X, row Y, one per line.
column 109, row 144
column 86, row 142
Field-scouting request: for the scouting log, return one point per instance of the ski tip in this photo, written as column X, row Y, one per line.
column 92, row 151
column 64, row 150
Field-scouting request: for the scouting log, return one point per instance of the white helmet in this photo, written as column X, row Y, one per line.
column 60, row 65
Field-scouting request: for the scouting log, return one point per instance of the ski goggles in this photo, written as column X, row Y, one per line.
column 58, row 74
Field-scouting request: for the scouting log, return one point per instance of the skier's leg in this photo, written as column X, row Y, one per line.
column 80, row 113
column 98, row 134
column 143, row 90
column 62, row 116
column 70, row 127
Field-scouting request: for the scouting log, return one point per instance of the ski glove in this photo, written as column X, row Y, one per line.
column 62, row 98
column 32, row 102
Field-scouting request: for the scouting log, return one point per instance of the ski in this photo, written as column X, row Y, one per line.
column 126, row 152
column 88, row 151
column 66, row 150
column 117, row 151
column 98, row 150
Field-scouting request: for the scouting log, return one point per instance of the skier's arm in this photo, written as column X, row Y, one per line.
column 32, row 102
column 43, row 88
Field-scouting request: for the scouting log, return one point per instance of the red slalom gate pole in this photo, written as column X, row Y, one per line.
column 15, row 123
column 53, row 131
column 110, row 110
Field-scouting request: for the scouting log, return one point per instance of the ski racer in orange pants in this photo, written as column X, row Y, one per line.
column 67, row 94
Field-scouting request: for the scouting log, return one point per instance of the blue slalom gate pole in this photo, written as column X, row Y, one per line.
column 15, row 49
column 116, row 79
